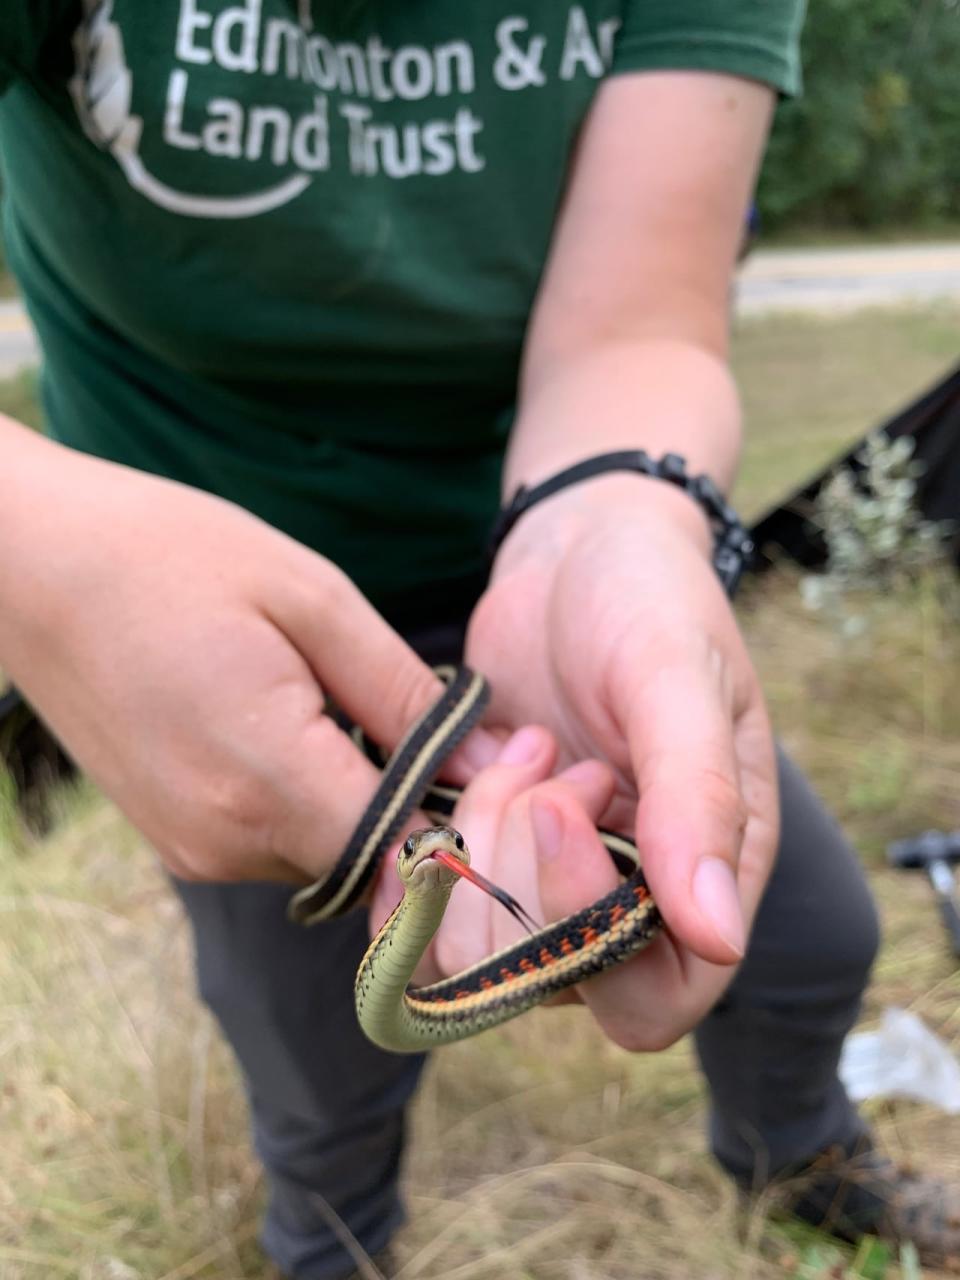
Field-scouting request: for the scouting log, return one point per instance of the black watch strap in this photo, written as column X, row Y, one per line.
column 732, row 544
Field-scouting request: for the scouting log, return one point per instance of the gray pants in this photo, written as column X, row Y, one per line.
column 328, row 1108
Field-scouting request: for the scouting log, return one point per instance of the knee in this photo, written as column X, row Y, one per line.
column 824, row 941
column 818, row 915
column 854, row 936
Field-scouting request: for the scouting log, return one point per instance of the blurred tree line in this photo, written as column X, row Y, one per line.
column 875, row 138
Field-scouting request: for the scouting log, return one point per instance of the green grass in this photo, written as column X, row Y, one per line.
column 18, row 398
column 812, row 386
column 8, row 286
column 538, row 1152
column 813, row 237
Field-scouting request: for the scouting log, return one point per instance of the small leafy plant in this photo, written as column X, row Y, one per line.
column 876, row 538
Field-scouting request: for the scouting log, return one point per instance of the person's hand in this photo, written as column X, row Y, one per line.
column 605, row 623
column 182, row 650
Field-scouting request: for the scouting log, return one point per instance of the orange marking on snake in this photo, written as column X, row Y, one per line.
column 486, row 983
column 566, row 946
column 546, row 957
column 588, row 934
column 527, row 965
column 617, row 913
column 506, row 975
column 640, row 892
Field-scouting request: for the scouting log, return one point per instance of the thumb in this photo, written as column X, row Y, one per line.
column 691, row 814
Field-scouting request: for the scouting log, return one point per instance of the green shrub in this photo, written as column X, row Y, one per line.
column 875, row 139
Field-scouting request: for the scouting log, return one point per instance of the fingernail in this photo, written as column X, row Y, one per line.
column 715, row 893
column 547, row 828
column 523, row 747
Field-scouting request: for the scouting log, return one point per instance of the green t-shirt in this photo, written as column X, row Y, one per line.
column 285, row 250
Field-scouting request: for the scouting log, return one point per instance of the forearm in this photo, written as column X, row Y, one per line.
column 53, row 520
column 627, row 344
column 29, row 463
column 659, row 394
column 20, row 448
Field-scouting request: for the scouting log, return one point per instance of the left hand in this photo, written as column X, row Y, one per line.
column 606, row 625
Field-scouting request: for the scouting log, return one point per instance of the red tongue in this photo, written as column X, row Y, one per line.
column 505, row 899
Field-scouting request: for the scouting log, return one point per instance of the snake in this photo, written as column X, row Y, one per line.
column 403, row 1018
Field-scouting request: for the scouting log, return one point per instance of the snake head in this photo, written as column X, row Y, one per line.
column 442, row 846
column 437, row 856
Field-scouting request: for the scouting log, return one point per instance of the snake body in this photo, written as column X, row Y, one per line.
column 506, row 984
column 408, row 1020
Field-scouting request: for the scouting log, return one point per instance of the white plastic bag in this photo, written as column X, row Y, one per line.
column 902, row 1059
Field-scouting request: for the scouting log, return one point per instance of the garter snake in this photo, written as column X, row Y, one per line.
column 405, row 1019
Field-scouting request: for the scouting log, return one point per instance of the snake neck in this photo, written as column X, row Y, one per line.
column 389, row 964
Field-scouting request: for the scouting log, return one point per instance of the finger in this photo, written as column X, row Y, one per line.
column 534, row 823
column 573, row 868
column 570, row 874
column 370, row 670
column 691, row 814
column 651, row 1000
column 465, row 935
column 759, row 784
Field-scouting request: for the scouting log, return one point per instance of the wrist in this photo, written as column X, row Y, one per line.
column 731, row 548
column 658, row 395
column 614, row 499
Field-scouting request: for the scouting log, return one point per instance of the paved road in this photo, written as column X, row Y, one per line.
column 812, row 280
column 17, row 347
column 833, row 280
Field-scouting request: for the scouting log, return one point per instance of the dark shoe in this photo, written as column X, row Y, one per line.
column 867, row 1194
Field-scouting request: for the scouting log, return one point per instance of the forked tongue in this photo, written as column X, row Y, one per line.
column 519, row 913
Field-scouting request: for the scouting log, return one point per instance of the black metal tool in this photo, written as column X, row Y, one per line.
column 936, row 853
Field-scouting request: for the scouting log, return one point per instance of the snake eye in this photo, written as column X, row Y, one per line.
column 458, row 840
column 409, row 846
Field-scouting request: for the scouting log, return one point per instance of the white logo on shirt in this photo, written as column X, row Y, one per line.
column 330, row 84
column 101, row 89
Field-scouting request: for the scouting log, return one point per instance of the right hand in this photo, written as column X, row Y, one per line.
column 181, row 650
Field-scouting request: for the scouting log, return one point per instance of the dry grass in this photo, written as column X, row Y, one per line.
column 539, row 1152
